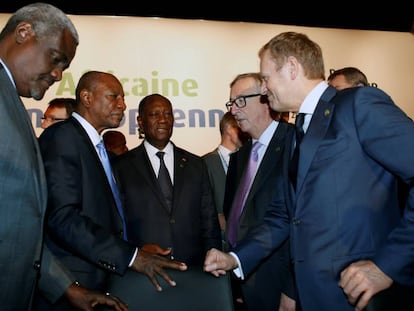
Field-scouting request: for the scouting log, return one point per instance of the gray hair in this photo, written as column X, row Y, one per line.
column 46, row 20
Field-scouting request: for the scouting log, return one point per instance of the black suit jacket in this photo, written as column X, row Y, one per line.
column 84, row 228
column 263, row 287
column 192, row 226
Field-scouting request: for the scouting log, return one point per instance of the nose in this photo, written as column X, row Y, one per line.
column 120, row 103
column 234, row 109
column 57, row 73
column 263, row 89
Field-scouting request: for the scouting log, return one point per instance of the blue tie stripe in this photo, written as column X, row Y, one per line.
column 103, row 155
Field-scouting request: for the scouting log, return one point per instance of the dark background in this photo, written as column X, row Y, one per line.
column 362, row 15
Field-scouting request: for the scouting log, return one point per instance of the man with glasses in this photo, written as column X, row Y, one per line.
column 58, row 109
column 262, row 289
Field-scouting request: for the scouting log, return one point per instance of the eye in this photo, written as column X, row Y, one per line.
column 112, row 96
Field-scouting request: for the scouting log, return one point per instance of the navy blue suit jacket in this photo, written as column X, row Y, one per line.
column 346, row 205
column 84, row 229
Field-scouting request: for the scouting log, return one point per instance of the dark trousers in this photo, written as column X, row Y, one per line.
column 397, row 297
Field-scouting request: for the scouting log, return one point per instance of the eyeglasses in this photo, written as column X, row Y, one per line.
column 240, row 101
column 52, row 119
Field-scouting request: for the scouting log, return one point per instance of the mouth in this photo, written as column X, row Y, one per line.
column 162, row 129
column 47, row 84
column 118, row 116
column 238, row 118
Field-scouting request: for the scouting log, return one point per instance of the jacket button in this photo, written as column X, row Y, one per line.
column 36, row 265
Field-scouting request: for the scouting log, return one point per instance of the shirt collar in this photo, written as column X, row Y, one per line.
column 151, row 150
column 311, row 100
column 8, row 72
column 92, row 132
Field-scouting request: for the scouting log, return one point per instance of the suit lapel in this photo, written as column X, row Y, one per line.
column 18, row 114
column 243, row 159
column 318, row 126
column 270, row 159
column 142, row 164
column 180, row 166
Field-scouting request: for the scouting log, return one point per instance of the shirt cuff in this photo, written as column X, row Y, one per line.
column 133, row 257
column 237, row 271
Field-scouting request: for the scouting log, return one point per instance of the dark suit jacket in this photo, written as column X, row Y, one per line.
column 23, row 194
column 192, row 226
column 84, row 227
column 346, row 206
column 263, row 287
column 217, row 177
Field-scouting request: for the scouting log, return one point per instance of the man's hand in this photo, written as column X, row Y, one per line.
column 150, row 261
column 361, row 280
column 286, row 303
column 218, row 262
column 155, row 249
column 84, row 299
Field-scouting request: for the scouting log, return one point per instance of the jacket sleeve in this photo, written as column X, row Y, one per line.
column 55, row 278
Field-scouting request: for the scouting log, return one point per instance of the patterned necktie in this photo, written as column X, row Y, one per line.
column 103, row 155
column 294, row 161
column 242, row 193
column 164, row 180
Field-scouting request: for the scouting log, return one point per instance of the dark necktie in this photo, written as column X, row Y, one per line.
column 164, row 180
column 103, row 155
column 242, row 193
column 294, row 161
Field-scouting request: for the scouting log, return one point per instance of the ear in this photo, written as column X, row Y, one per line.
column 293, row 67
column 24, row 32
column 85, row 98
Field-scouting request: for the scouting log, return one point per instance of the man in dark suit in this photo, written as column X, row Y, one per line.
column 27, row 69
column 348, row 239
column 263, row 287
column 84, row 224
column 217, row 161
column 188, row 224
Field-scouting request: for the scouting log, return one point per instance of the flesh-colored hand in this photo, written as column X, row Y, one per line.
column 153, row 262
column 84, row 299
column 361, row 280
column 218, row 262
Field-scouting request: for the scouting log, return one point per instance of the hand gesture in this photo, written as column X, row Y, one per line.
column 84, row 299
column 151, row 261
column 155, row 249
column 218, row 262
column 361, row 280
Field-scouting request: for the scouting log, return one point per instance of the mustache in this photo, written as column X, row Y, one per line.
column 48, row 78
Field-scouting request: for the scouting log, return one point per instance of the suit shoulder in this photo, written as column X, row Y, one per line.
column 209, row 155
column 285, row 127
column 131, row 153
column 60, row 131
column 187, row 154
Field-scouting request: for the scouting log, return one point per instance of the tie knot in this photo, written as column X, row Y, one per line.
column 255, row 149
column 300, row 118
column 160, row 154
column 101, row 145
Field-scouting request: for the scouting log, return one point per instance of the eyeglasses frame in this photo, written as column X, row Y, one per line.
column 238, row 105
